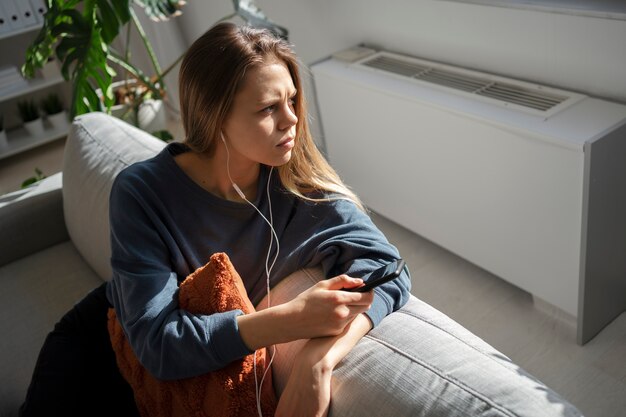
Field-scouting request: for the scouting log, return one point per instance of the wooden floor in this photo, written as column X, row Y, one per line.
column 539, row 338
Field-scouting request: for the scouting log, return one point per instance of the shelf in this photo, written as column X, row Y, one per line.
column 20, row 31
column 20, row 141
column 32, row 86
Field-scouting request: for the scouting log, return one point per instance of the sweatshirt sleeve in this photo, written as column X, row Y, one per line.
column 168, row 341
column 345, row 240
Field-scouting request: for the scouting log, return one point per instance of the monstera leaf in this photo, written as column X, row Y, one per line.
column 80, row 33
column 83, row 54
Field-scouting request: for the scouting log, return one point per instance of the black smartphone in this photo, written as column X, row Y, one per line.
column 383, row 274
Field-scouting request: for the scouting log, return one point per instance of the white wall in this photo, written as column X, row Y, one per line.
column 573, row 52
column 168, row 44
column 583, row 54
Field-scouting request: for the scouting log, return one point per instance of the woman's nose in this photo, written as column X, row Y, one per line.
column 289, row 117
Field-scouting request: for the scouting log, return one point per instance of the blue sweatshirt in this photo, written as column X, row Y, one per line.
column 164, row 226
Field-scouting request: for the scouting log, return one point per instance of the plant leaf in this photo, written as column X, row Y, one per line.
column 37, row 177
column 111, row 16
column 90, row 71
column 108, row 21
column 40, row 50
column 122, row 10
column 161, row 9
column 164, row 135
column 79, row 32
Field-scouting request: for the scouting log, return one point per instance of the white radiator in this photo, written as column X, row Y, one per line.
column 526, row 181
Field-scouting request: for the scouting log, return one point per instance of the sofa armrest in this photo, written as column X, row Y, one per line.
column 31, row 219
column 418, row 361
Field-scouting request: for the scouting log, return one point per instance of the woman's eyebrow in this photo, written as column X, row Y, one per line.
column 271, row 97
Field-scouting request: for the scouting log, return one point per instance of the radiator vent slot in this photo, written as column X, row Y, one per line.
column 491, row 87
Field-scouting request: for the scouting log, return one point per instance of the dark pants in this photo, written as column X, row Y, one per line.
column 76, row 373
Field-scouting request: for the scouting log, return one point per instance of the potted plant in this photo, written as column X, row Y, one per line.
column 3, row 134
column 53, row 107
column 30, row 117
column 82, row 32
column 134, row 103
column 39, row 175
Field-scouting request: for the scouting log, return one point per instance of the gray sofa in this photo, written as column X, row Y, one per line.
column 54, row 248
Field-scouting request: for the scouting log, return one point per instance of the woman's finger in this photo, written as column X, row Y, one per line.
column 342, row 281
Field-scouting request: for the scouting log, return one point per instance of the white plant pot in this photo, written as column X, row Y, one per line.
column 59, row 121
column 3, row 139
column 150, row 118
column 34, row 127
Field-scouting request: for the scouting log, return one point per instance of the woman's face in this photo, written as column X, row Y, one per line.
column 261, row 125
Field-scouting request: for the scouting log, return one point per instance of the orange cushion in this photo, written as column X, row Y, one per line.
column 215, row 287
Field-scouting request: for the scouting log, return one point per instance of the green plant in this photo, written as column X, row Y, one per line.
column 164, row 135
column 81, row 34
column 37, row 177
column 52, row 104
column 28, row 110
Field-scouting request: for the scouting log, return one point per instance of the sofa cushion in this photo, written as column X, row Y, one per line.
column 21, row 219
column 36, row 291
column 418, row 361
column 98, row 147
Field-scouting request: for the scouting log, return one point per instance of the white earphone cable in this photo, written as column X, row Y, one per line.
column 268, row 269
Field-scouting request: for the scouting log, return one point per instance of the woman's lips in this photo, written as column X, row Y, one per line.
column 287, row 143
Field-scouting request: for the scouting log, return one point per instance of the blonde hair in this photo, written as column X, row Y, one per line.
column 210, row 75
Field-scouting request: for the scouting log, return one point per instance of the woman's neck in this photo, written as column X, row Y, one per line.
column 212, row 174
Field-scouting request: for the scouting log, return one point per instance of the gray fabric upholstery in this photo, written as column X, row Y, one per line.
column 97, row 149
column 23, row 230
column 35, row 292
column 419, row 362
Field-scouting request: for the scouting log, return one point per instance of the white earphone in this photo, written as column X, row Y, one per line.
column 268, row 270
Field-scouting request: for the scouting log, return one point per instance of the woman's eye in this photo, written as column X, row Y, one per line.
column 269, row 109
column 272, row 108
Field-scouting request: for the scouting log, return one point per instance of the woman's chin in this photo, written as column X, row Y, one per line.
column 286, row 157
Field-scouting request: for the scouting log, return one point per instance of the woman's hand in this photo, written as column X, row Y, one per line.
column 322, row 310
column 308, row 390
column 325, row 310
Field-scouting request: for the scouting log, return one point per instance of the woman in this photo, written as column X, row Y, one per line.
column 248, row 157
